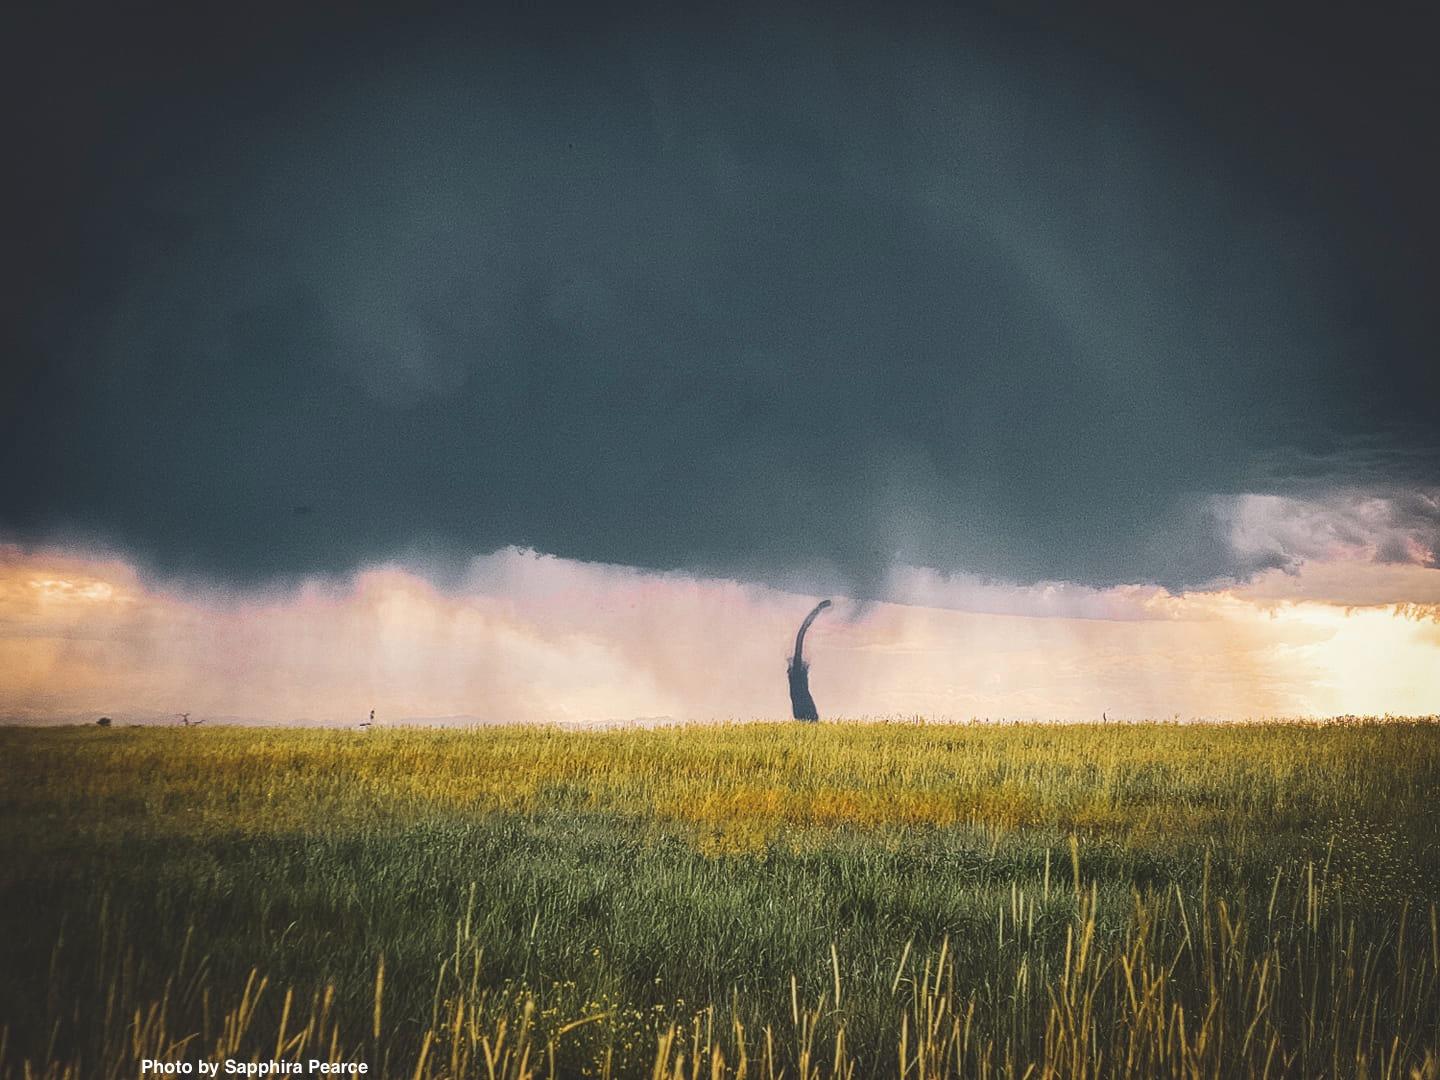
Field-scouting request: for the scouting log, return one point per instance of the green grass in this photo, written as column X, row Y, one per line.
column 1064, row 901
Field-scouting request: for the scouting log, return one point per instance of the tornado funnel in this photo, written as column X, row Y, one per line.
column 802, row 705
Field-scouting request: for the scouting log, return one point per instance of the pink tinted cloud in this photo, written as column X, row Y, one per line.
column 1387, row 527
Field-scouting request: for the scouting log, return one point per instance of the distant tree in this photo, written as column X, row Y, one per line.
column 104, row 721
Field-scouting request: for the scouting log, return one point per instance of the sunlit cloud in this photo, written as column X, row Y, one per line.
column 1385, row 527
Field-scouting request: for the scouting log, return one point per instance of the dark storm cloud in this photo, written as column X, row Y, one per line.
column 787, row 297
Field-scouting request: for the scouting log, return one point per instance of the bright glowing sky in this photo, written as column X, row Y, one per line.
column 526, row 637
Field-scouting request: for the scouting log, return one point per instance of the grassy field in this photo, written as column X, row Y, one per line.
column 750, row 900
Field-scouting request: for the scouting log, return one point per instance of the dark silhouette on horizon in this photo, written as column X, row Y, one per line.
column 802, row 705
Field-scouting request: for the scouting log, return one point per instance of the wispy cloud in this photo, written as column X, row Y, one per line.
column 1354, row 525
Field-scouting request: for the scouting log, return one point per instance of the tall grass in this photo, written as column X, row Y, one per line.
column 756, row 901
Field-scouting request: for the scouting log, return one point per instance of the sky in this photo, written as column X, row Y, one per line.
column 548, row 363
column 534, row 638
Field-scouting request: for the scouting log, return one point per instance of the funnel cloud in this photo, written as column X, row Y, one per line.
column 802, row 705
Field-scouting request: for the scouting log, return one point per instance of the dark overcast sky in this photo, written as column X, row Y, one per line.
column 784, row 293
